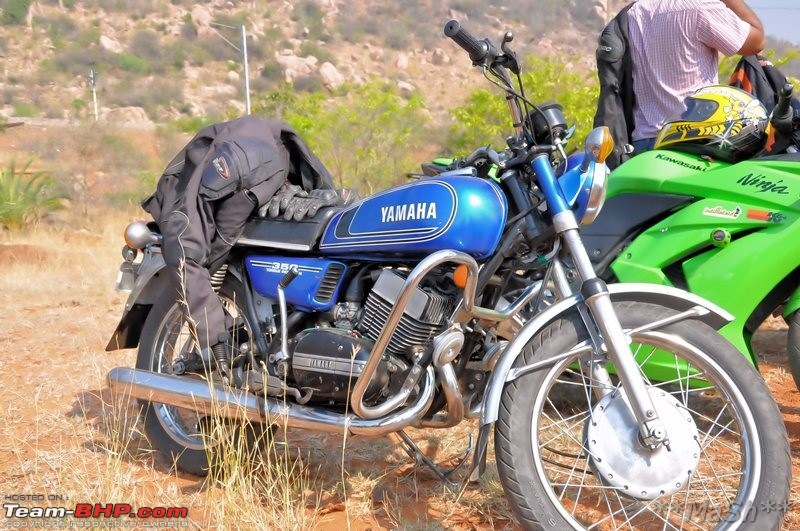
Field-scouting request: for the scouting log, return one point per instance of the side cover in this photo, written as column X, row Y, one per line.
column 316, row 287
column 463, row 213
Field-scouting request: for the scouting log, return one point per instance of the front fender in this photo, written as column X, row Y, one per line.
column 666, row 296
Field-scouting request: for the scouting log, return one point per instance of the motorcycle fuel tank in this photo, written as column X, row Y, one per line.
column 463, row 213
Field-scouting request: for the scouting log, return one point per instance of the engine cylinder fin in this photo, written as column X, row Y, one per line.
column 418, row 325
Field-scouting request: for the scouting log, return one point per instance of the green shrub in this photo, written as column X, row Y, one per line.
column 312, row 48
column 368, row 136
column 79, row 104
column 308, row 14
column 154, row 95
column 26, row 110
column 77, row 59
column 271, row 71
column 60, row 28
column 146, row 44
column 192, row 124
column 309, row 83
column 132, row 63
column 15, row 12
column 188, row 30
column 25, row 196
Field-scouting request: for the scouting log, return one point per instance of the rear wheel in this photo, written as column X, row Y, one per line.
column 181, row 435
column 569, row 454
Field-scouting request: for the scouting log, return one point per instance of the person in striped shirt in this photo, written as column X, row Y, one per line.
column 675, row 47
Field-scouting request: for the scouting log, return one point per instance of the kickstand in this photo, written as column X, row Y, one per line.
column 442, row 473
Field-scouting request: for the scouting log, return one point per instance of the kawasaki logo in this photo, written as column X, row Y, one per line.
column 683, row 163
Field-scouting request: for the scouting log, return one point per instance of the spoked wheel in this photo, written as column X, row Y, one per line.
column 181, row 435
column 569, row 452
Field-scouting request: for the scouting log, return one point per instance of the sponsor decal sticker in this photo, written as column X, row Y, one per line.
column 763, row 215
column 722, row 212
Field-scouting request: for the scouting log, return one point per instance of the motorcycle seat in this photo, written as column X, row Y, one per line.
column 287, row 235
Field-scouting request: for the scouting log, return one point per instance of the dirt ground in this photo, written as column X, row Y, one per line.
column 63, row 438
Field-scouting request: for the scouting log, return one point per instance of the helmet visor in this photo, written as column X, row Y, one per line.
column 698, row 109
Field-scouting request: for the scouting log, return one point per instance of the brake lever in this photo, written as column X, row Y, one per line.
column 509, row 58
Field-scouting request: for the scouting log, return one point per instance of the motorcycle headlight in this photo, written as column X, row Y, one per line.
column 593, row 194
column 584, row 182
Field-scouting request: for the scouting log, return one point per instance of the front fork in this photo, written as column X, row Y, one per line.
column 614, row 341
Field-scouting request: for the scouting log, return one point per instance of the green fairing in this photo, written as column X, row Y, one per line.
column 754, row 203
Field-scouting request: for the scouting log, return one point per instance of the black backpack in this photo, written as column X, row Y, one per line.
column 757, row 75
column 615, row 73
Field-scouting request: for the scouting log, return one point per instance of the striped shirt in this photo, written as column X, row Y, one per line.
column 675, row 47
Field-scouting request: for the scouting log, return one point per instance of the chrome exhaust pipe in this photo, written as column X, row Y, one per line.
column 455, row 401
column 211, row 400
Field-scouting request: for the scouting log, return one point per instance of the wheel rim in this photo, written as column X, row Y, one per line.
column 174, row 338
column 727, row 468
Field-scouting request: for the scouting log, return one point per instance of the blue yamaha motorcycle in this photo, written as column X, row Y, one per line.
column 469, row 294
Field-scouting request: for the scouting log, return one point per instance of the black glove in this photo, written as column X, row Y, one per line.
column 295, row 203
column 307, row 207
column 280, row 201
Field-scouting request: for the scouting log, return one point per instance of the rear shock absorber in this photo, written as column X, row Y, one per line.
column 218, row 278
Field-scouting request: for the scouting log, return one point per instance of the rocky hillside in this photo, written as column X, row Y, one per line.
column 159, row 60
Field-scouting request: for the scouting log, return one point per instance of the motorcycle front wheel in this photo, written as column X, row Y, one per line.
column 569, row 453
column 184, row 438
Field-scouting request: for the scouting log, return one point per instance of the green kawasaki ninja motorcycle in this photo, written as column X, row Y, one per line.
column 714, row 209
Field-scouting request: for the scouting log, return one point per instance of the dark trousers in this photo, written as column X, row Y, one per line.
column 193, row 249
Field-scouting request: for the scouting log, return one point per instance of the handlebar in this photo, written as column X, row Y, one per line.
column 484, row 53
column 477, row 50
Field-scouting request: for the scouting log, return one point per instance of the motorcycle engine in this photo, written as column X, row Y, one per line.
column 423, row 318
column 328, row 360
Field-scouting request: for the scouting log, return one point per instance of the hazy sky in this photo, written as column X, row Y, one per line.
column 781, row 18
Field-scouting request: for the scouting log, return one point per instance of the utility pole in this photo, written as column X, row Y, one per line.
column 243, row 51
column 93, row 81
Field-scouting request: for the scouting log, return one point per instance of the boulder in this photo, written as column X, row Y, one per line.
column 128, row 116
column 110, row 44
column 331, row 77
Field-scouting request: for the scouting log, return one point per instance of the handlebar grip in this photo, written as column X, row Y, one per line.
column 783, row 109
column 476, row 49
column 288, row 277
column 782, row 117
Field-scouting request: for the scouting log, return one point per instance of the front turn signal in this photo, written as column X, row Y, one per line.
column 599, row 144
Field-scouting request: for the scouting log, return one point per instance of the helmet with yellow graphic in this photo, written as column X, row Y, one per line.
column 723, row 122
